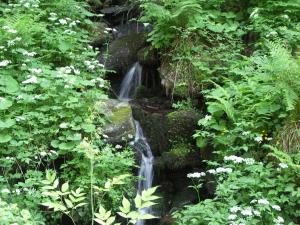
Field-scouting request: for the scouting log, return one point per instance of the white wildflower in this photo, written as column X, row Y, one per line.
column 5, row 191
column 253, row 201
column 43, row 153
column 18, row 191
column 196, row 175
column 258, row 139
column 245, row 133
column 13, row 31
column 233, row 158
column 105, row 136
column 263, row 201
column 4, row 63
column 276, row 207
column 63, row 125
column 256, row 213
column 208, row 117
column 62, row 21
column 118, row 146
column 279, row 220
column 232, row 217
column 246, row 212
column 283, row 165
column 235, row 209
column 212, row 171
column 31, row 80
column 249, row 161
column 36, row 70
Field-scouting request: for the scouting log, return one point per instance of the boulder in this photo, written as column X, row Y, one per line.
column 148, row 57
column 182, row 125
column 120, row 121
column 122, row 52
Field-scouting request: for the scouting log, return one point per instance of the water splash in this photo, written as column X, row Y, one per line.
column 146, row 166
column 131, row 81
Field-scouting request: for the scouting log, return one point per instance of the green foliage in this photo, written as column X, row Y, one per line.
column 50, row 82
column 249, row 107
column 250, row 192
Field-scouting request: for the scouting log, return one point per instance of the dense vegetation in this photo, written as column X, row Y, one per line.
column 241, row 57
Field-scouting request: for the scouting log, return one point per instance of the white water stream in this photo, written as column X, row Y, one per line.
column 131, row 81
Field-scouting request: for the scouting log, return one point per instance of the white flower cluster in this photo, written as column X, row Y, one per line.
column 4, row 63
column 237, row 211
column 279, row 220
column 239, row 160
column 100, row 80
column 118, row 146
column 13, row 41
column 50, row 153
column 220, row 170
column 207, row 117
column 108, row 30
column 30, row 54
column 92, row 65
column 196, row 175
column 64, row 21
column 9, row 30
column 18, row 191
column 67, row 70
column 29, row 4
column 31, row 79
column 283, row 165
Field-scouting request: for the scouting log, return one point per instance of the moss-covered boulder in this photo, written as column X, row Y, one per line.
column 120, row 121
column 182, row 125
column 122, row 52
column 148, row 57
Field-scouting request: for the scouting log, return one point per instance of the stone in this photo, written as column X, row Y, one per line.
column 122, row 52
column 148, row 57
column 182, row 125
column 120, row 121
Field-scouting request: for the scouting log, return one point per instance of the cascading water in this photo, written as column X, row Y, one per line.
column 146, row 165
column 131, row 81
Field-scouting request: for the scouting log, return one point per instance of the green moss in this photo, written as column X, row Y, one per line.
column 120, row 115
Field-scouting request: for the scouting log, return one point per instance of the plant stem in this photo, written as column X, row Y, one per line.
column 91, row 183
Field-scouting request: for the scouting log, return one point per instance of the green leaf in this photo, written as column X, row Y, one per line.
column 7, row 123
column 69, row 203
column 8, row 84
column 5, row 103
column 201, row 142
column 126, row 205
column 4, row 137
column 138, row 201
column 65, row 187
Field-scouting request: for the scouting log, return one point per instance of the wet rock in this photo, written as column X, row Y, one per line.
column 148, row 57
column 122, row 52
column 182, row 124
column 121, row 123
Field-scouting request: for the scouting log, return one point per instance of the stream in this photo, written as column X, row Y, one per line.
column 130, row 83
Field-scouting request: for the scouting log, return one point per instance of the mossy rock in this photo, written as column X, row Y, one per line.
column 122, row 52
column 120, row 121
column 148, row 57
column 182, row 125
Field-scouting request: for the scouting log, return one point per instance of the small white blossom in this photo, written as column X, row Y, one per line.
column 212, row 171
column 31, row 80
column 63, row 21
column 253, row 201
column 283, row 165
column 196, row 175
column 258, row 139
column 263, row 201
column 208, row 117
column 36, row 70
column 256, row 213
column 63, row 125
column 43, row 153
column 5, row 191
column 246, row 212
column 118, row 146
column 276, row 207
column 235, row 209
column 279, row 220
column 105, row 136
column 232, row 217
column 4, row 63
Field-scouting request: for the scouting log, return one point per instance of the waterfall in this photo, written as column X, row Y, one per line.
column 146, row 165
column 131, row 81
